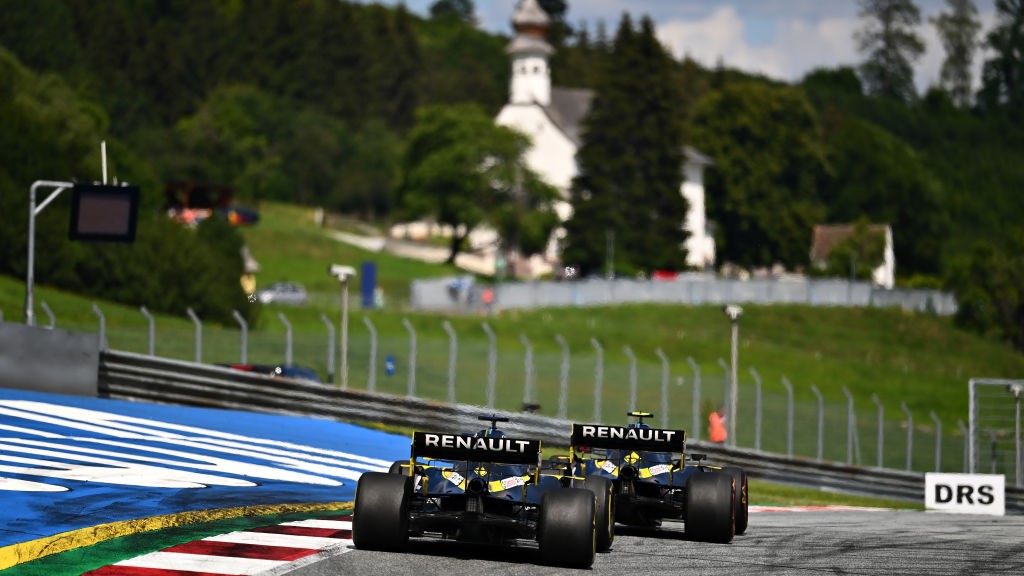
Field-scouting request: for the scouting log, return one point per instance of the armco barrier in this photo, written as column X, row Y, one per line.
column 129, row 376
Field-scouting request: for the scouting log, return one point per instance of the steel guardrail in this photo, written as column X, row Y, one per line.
column 130, row 376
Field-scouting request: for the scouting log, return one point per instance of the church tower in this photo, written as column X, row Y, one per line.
column 531, row 77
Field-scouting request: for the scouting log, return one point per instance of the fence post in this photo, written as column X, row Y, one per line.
column 330, row 346
column 527, row 372
column 103, row 326
column 881, row 420
column 821, row 420
column 910, row 432
column 757, row 408
column 199, row 333
column 632, row 377
column 453, row 352
column 287, row 338
column 244, row 357
column 849, row 425
column 152, row 329
column 963, row 429
column 563, row 378
column 664, row 386
column 49, row 314
column 788, row 416
column 696, row 396
column 598, row 377
column 411, row 387
column 938, row 440
column 492, row 363
column 371, row 377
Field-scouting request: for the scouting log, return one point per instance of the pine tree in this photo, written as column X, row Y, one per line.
column 1003, row 74
column 627, row 192
column 958, row 30
column 891, row 46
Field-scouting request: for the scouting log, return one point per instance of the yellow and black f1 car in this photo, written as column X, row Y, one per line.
column 485, row 487
column 652, row 481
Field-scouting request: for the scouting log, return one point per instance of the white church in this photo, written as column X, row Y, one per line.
column 551, row 116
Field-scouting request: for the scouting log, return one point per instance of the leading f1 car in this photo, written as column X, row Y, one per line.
column 652, row 481
column 485, row 487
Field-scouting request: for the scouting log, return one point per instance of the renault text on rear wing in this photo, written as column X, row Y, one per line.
column 622, row 437
column 457, row 447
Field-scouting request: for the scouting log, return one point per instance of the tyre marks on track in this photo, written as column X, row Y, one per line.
column 264, row 551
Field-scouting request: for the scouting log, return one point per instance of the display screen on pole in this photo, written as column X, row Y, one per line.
column 101, row 212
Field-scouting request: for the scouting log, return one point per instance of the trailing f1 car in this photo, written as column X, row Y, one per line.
column 486, row 487
column 652, row 482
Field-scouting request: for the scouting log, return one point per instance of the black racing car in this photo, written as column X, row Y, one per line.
column 652, row 481
column 485, row 487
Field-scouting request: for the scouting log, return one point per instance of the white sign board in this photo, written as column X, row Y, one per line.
column 965, row 493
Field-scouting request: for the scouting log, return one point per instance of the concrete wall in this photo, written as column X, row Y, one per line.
column 33, row 358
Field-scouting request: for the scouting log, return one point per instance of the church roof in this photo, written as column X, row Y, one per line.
column 529, row 44
column 827, row 236
column 567, row 109
column 528, row 13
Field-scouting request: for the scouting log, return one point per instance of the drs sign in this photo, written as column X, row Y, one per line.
column 965, row 493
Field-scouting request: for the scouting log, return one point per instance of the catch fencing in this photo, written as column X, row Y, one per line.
column 590, row 381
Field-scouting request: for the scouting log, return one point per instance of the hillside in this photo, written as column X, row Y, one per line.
column 918, row 359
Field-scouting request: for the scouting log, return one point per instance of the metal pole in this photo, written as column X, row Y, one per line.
column 287, row 338
column 371, row 377
column 344, row 334
column 49, row 314
column 453, row 353
column 598, row 378
column 664, row 387
column 849, row 425
column 757, row 407
column 733, row 381
column 152, row 329
column 199, row 333
column 563, row 378
column 696, row 396
column 33, row 211
column 632, row 376
column 411, row 385
column 1018, row 390
column 725, row 382
column 492, row 363
column 103, row 326
column 244, row 354
column 910, row 432
column 527, row 371
column 821, row 420
column 789, row 416
column 938, row 441
column 330, row 347
column 972, row 454
column 881, row 419
column 963, row 430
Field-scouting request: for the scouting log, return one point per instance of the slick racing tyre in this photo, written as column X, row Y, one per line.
column 605, row 509
column 710, row 507
column 565, row 528
column 396, row 467
column 739, row 476
column 380, row 518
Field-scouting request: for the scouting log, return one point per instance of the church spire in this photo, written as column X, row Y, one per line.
column 531, row 78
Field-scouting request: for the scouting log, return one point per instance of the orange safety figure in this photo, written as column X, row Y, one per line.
column 716, row 426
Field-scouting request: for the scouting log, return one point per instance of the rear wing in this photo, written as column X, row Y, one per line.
column 457, row 447
column 628, row 438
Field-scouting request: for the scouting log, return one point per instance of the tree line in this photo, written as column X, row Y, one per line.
column 380, row 113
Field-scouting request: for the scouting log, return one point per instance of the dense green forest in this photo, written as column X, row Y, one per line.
column 316, row 101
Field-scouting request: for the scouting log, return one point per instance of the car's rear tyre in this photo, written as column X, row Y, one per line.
column 604, row 506
column 380, row 518
column 739, row 476
column 710, row 507
column 565, row 530
column 396, row 467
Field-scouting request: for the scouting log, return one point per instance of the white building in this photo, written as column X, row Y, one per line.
column 551, row 117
